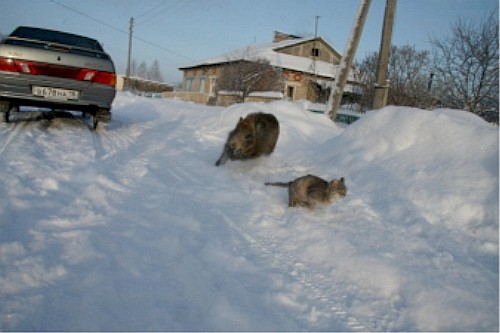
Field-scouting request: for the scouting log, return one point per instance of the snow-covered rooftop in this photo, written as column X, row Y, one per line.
column 270, row 52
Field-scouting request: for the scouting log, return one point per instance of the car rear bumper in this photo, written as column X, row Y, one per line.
column 17, row 88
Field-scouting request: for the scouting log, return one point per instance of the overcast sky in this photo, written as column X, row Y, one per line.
column 179, row 32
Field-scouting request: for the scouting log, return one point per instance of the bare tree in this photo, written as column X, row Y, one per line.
column 247, row 76
column 467, row 67
column 368, row 68
column 154, row 72
column 133, row 68
column 408, row 75
column 142, row 70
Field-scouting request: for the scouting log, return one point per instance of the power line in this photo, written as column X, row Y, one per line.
column 174, row 9
column 156, row 14
column 150, row 10
column 122, row 31
column 163, row 48
column 88, row 16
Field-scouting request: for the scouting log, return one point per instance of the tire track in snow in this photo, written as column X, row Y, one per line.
column 108, row 177
column 326, row 308
column 14, row 131
column 108, row 141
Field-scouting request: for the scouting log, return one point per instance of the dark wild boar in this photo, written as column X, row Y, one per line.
column 254, row 135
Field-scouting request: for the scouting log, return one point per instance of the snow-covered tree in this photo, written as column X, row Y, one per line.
column 247, row 76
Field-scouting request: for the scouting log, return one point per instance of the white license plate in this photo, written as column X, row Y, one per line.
column 55, row 93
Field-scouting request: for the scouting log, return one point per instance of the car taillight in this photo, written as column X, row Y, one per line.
column 95, row 76
column 26, row 67
column 105, row 78
column 8, row 65
column 11, row 65
column 37, row 68
column 86, row 74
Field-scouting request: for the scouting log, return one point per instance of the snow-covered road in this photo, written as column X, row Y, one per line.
column 132, row 227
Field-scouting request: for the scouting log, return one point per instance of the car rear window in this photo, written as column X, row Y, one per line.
column 57, row 37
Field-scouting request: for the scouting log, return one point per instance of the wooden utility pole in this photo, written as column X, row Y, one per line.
column 346, row 61
column 382, row 85
column 127, row 79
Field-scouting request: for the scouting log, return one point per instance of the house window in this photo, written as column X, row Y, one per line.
column 201, row 88
column 315, row 52
column 188, row 84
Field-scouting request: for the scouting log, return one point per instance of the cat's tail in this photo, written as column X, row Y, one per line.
column 280, row 184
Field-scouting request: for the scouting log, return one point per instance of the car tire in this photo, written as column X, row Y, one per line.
column 4, row 111
column 100, row 115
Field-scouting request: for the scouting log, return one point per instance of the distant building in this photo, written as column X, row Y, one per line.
column 308, row 66
column 143, row 86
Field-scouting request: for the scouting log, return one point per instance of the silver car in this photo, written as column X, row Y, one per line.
column 58, row 70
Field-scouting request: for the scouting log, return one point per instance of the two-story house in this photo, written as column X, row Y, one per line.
column 308, row 67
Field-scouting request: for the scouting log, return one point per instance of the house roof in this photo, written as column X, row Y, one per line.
column 269, row 52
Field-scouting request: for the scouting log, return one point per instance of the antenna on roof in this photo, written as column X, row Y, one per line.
column 314, row 51
column 316, row 26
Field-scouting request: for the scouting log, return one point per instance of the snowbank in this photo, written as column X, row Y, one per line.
column 443, row 162
column 134, row 228
column 429, row 175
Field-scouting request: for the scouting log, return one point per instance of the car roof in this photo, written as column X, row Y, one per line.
column 58, row 37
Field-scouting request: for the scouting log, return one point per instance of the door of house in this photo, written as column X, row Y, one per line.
column 212, row 82
column 290, row 92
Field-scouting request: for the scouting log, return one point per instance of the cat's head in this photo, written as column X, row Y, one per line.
column 337, row 186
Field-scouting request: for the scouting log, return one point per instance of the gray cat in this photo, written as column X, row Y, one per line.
column 307, row 191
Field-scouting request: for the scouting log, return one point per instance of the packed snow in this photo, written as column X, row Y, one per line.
column 133, row 228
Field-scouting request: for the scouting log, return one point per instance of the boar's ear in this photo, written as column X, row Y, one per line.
column 342, row 180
